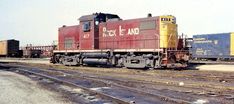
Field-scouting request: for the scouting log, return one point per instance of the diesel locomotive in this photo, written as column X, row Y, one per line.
column 106, row 39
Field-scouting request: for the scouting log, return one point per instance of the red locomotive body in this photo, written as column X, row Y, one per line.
column 105, row 39
column 88, row 33
column 68, row 38
column 129, row 34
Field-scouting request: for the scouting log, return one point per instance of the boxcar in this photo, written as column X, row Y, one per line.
column 9, row 48
column 213, row 46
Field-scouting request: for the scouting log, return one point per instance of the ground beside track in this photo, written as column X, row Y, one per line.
column 26, row 60
column 18, row 89
column 224, row 68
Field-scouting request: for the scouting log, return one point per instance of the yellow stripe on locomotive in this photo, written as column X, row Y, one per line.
column 232, row 44
column 168, row 32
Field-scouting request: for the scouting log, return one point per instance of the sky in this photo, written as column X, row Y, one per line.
column 37, row 21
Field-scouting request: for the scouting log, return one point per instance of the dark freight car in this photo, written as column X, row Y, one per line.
column 29, row 53
column 213, row 46
column 9, row 48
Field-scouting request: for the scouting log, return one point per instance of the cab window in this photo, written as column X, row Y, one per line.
column 86, row 26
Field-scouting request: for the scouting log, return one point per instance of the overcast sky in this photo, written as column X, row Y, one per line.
column 37, row 21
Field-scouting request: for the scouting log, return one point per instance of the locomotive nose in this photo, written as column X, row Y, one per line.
column 168, row 32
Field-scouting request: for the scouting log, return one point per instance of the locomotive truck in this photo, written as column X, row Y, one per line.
column 106, row 39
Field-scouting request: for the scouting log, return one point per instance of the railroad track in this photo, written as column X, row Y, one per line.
column 57, row 74
column 190, row 92
column 204, row 76
column 100, row 78
column 135, row 95
column 109, row 97
column 112, row 83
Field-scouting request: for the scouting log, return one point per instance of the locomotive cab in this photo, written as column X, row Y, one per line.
column 101, row 17
column 89, row 34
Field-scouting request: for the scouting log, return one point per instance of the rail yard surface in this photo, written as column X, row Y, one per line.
column 18, row 89
column 120, row 85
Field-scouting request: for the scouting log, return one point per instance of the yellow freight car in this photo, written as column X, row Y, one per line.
column 9, row 48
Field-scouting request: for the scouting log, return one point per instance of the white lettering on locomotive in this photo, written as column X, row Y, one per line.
column 133, row 31
column 108, row 33
column 86, row 36
column 122, row 32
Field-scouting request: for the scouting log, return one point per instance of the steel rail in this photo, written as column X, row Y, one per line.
column 109, row 97
column 166, row 98
column 119, row 101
